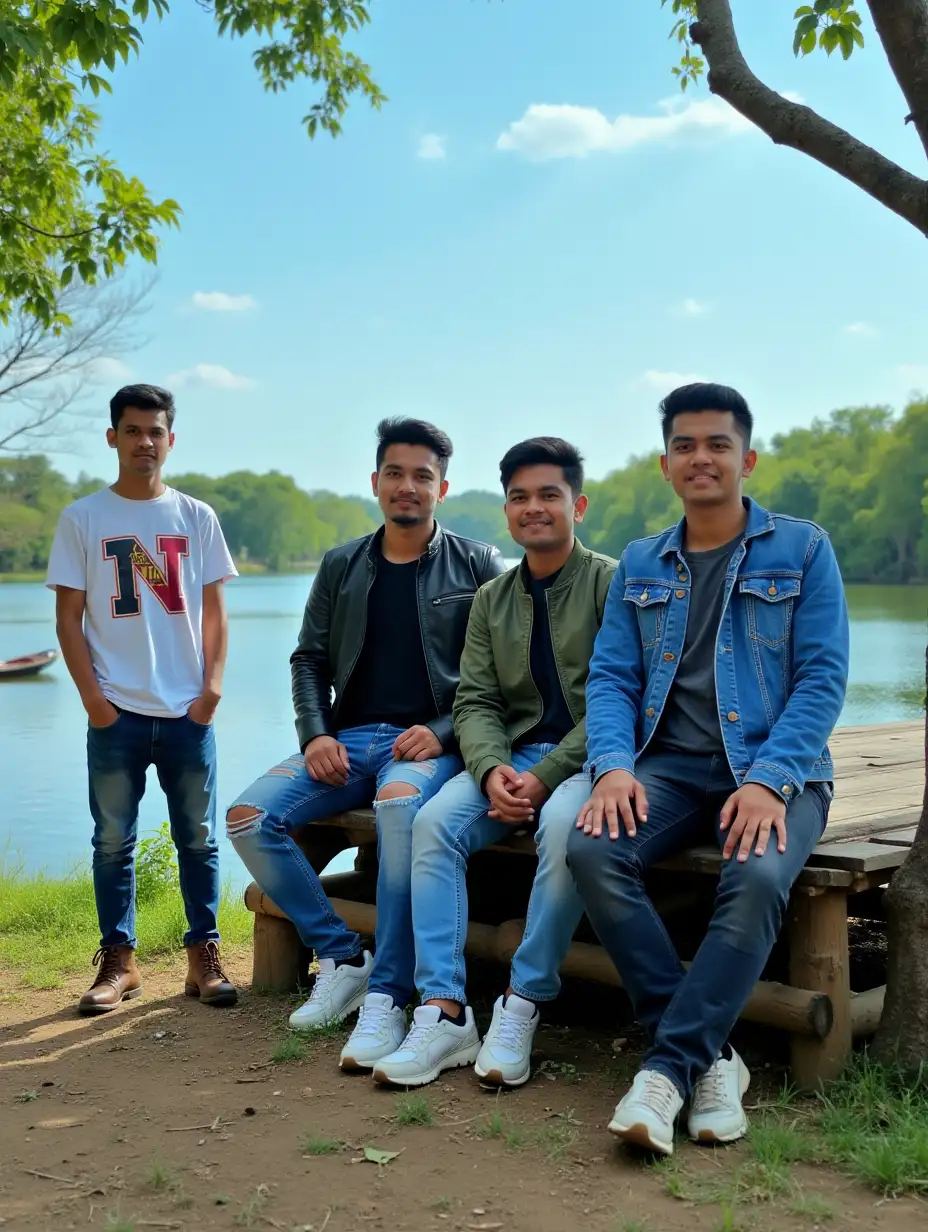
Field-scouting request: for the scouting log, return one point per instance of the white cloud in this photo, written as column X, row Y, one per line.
column 860, row 329
column 663, row 382
column 219, row 301
column 565, row 130
column 915, row 375
column 431, row 145
column 213, row 375
column 105, row 368
column 694, row 308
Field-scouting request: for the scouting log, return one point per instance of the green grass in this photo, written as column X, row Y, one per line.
column 414, row 1110
column 317, row 1144
column 119, row 1223
column 290, row 1048
column 161, row 1177
column 49, row 930
column 493, row 1128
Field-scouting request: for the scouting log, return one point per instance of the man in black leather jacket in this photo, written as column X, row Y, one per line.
column 384, row 629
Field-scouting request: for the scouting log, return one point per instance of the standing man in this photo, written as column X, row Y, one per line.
column 717, row 678
column 384, row 628
column 519, row 719
column 138, row 571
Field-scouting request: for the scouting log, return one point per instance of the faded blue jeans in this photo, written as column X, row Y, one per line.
column 286, row 797
column 184, row 756
column 689, row 1014
column 448, row 829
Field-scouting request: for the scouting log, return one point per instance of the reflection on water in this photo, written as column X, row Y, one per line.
column 45, row 817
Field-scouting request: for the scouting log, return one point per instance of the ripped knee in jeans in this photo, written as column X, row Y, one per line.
column 397, row 793
column 242, row 820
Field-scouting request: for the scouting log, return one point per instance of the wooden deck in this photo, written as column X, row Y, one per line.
column 879, row 781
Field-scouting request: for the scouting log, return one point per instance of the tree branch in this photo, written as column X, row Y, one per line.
column 49, row 235
column 798, row 126
column 903, row 29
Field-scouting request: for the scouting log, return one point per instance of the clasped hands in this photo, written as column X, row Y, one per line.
column 748, row 815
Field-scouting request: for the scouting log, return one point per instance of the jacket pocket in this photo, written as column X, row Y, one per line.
column 651, row 603
column 769, row 604
column 459, row 596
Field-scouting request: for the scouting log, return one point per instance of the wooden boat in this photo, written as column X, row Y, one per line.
column 27, row 665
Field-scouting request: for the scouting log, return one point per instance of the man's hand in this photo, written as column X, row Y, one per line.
column 327, row 761
column 101, row 713
column 503, row 787
column 417, row 743
column 532, row 789
column 748, row 814
column 616, row 794
column 203, row 708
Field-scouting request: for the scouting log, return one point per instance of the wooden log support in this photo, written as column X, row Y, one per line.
column 866, row 1011
column 280, row 961
column 819, row 961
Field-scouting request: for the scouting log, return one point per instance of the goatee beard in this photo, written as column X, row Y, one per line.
column 405, row 519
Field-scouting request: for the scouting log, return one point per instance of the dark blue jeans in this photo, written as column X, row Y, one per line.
column 184, row 756
column 689, row 1014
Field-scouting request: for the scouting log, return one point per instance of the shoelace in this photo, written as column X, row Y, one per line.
column 658, row 1094
column 710, row 1090
column 209, row 957
column 107, row 959
column 371, row 1019
column 511, row 1030
column 320, row 988
column 418, row 1031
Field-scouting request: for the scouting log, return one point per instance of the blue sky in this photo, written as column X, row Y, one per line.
column 493, row 252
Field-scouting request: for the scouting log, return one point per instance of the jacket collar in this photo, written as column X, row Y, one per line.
column 760, row 522
column 432, row 549
column 568, row 569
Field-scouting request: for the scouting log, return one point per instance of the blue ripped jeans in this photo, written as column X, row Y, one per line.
column 689, row 1014
column 452, row 826
column 286, row 797
column 184, row 756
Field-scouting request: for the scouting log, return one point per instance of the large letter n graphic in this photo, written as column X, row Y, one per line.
column 132, row 560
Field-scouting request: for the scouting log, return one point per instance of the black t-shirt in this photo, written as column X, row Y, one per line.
column 390, row 681
column 555, row 721
column 690, row 721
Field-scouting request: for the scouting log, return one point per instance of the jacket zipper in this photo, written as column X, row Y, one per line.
column 464, row 594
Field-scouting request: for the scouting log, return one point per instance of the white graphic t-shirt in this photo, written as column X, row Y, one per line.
column 143, row 566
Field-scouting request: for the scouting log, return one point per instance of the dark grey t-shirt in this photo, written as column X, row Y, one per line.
column 690, row 721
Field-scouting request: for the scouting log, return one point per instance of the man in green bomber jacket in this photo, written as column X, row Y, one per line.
column 519, row 717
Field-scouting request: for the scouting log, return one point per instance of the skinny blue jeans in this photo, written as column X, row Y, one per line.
column 689, row 1014
column 184, row 755
column 286, row 797
column 447, row 830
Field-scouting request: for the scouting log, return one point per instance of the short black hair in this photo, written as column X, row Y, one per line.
column 705, row 396
column 143, row 398
column 544, row 451
column 414, row 432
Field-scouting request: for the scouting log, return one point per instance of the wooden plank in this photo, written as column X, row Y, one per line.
column 857, row 857
column 818, row 959
column 840, row 831
column 905, row 838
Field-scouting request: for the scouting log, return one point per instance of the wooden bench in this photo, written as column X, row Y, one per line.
column 879, row 780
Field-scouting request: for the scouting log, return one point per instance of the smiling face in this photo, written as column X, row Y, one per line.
column 707, row 458
column 541, row 508
column 409, row 485
column 142, row 441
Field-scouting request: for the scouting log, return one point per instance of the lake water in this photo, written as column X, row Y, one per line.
column 45, row 820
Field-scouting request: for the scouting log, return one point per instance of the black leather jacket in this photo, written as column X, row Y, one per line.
column 335, row 620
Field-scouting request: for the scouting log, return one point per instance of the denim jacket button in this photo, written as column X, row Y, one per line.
column 733, row 716
column 681, row 594
column 683, row 577
column 771, row 590
column 668, row 657
column 787, row 789
column 650, row 712
column 644, row 596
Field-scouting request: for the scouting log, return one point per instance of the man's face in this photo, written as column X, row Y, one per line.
column 142, row 441
column 706, row 458
column 409, row 485
column 541, row 509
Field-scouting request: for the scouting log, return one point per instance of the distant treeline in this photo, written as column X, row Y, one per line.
column 862, row 474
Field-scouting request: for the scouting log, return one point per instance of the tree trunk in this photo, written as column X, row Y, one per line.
column 902, row 1038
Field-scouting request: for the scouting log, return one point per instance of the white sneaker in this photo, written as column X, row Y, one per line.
column 337, row 992
column 380, row 1030
column 716, row 1114
column 431, row 1047
column 506, row 1055
column 646, row 1115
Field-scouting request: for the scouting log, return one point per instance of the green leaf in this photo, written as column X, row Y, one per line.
column 374, row 1155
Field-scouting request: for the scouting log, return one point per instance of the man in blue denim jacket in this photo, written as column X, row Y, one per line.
column 717, row 677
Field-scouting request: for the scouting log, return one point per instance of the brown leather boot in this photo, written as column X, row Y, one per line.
column 205, row 976
column 118, row 979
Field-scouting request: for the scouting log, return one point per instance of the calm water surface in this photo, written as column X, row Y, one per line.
column 45, row 821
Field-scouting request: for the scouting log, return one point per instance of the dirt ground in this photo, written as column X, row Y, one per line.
column 166, row 1114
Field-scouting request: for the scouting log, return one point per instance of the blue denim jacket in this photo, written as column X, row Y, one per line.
column 781, row 652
